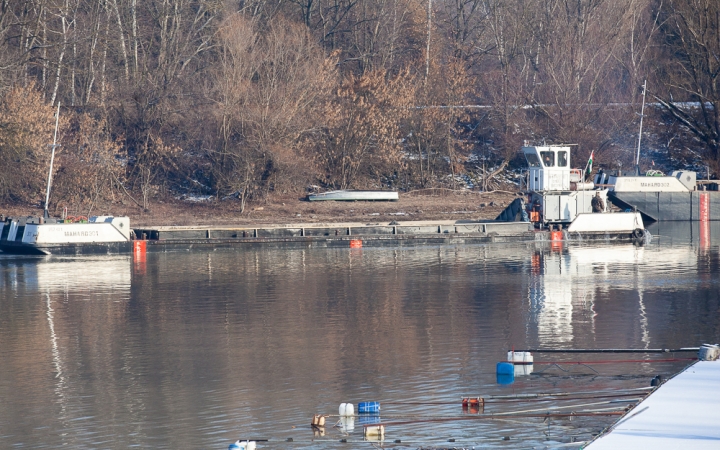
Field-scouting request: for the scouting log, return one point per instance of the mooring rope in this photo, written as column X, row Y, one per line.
column 487, row 400
column 526, row 397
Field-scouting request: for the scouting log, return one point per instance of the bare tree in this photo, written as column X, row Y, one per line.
column 361, row 135
column 26, row 127
column 266, row 90
column 692, row 90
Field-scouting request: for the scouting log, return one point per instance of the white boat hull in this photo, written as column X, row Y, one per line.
column 386, row 196
column 99, row 235
column 606, row 222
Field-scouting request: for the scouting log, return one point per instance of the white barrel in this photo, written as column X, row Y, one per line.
column 346, row 410
column 520, row 357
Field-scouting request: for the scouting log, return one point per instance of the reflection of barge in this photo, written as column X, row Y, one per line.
column 39, row 236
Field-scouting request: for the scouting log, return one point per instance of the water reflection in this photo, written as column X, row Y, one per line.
column 567, row 282
column 702, row 234
column 58, row 274
column 196, row 350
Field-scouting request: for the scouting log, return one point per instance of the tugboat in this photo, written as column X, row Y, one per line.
column 560, row 197
column 46, row 235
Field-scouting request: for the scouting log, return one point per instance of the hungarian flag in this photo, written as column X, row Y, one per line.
column 588, row 167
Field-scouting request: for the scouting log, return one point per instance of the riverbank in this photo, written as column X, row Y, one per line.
column 427, row 204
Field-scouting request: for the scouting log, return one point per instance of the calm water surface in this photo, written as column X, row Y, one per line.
column 194, row 350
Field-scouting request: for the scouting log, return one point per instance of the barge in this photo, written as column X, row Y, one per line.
column 355, row 235
column 41, row 236
column 660, row 198
column 31, row 237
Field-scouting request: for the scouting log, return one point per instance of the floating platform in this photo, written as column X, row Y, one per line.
column 344, row 235
column 108, row 235
column 327, row 235
column 682, row 413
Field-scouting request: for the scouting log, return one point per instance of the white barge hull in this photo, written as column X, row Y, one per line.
column 100, row 234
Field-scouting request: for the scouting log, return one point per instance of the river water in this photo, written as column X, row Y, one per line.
column 197, row 349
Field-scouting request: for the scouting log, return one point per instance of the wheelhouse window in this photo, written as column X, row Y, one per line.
column 548, row 159
column 532, row 159
column 562, row 159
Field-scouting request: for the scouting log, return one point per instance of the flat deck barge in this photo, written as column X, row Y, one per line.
column 344, row 235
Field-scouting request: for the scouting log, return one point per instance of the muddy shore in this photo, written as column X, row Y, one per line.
column 429, row 204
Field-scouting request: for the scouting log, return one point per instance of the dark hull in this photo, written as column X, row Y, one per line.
column 667, row 206
column 100, row 248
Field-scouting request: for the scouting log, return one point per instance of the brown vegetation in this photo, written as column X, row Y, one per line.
column 252, row 102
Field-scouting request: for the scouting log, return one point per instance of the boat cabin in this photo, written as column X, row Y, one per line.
column 549, row 168
column 557, row 193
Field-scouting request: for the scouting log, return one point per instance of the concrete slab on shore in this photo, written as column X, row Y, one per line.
column 682, row 413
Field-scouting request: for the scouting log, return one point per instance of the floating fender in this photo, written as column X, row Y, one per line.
column 638, row 234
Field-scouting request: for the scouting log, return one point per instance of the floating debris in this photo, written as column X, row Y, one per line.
column 242, row 445
column 374, row 432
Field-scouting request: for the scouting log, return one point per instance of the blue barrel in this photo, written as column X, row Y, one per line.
column 368, row 408
column 505, row 368
column 505, row 372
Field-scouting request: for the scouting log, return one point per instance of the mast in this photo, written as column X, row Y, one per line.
column 52, row 160
column 642, row 114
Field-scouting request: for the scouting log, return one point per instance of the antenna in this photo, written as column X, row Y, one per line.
column 52, row 160
column 642, row 114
